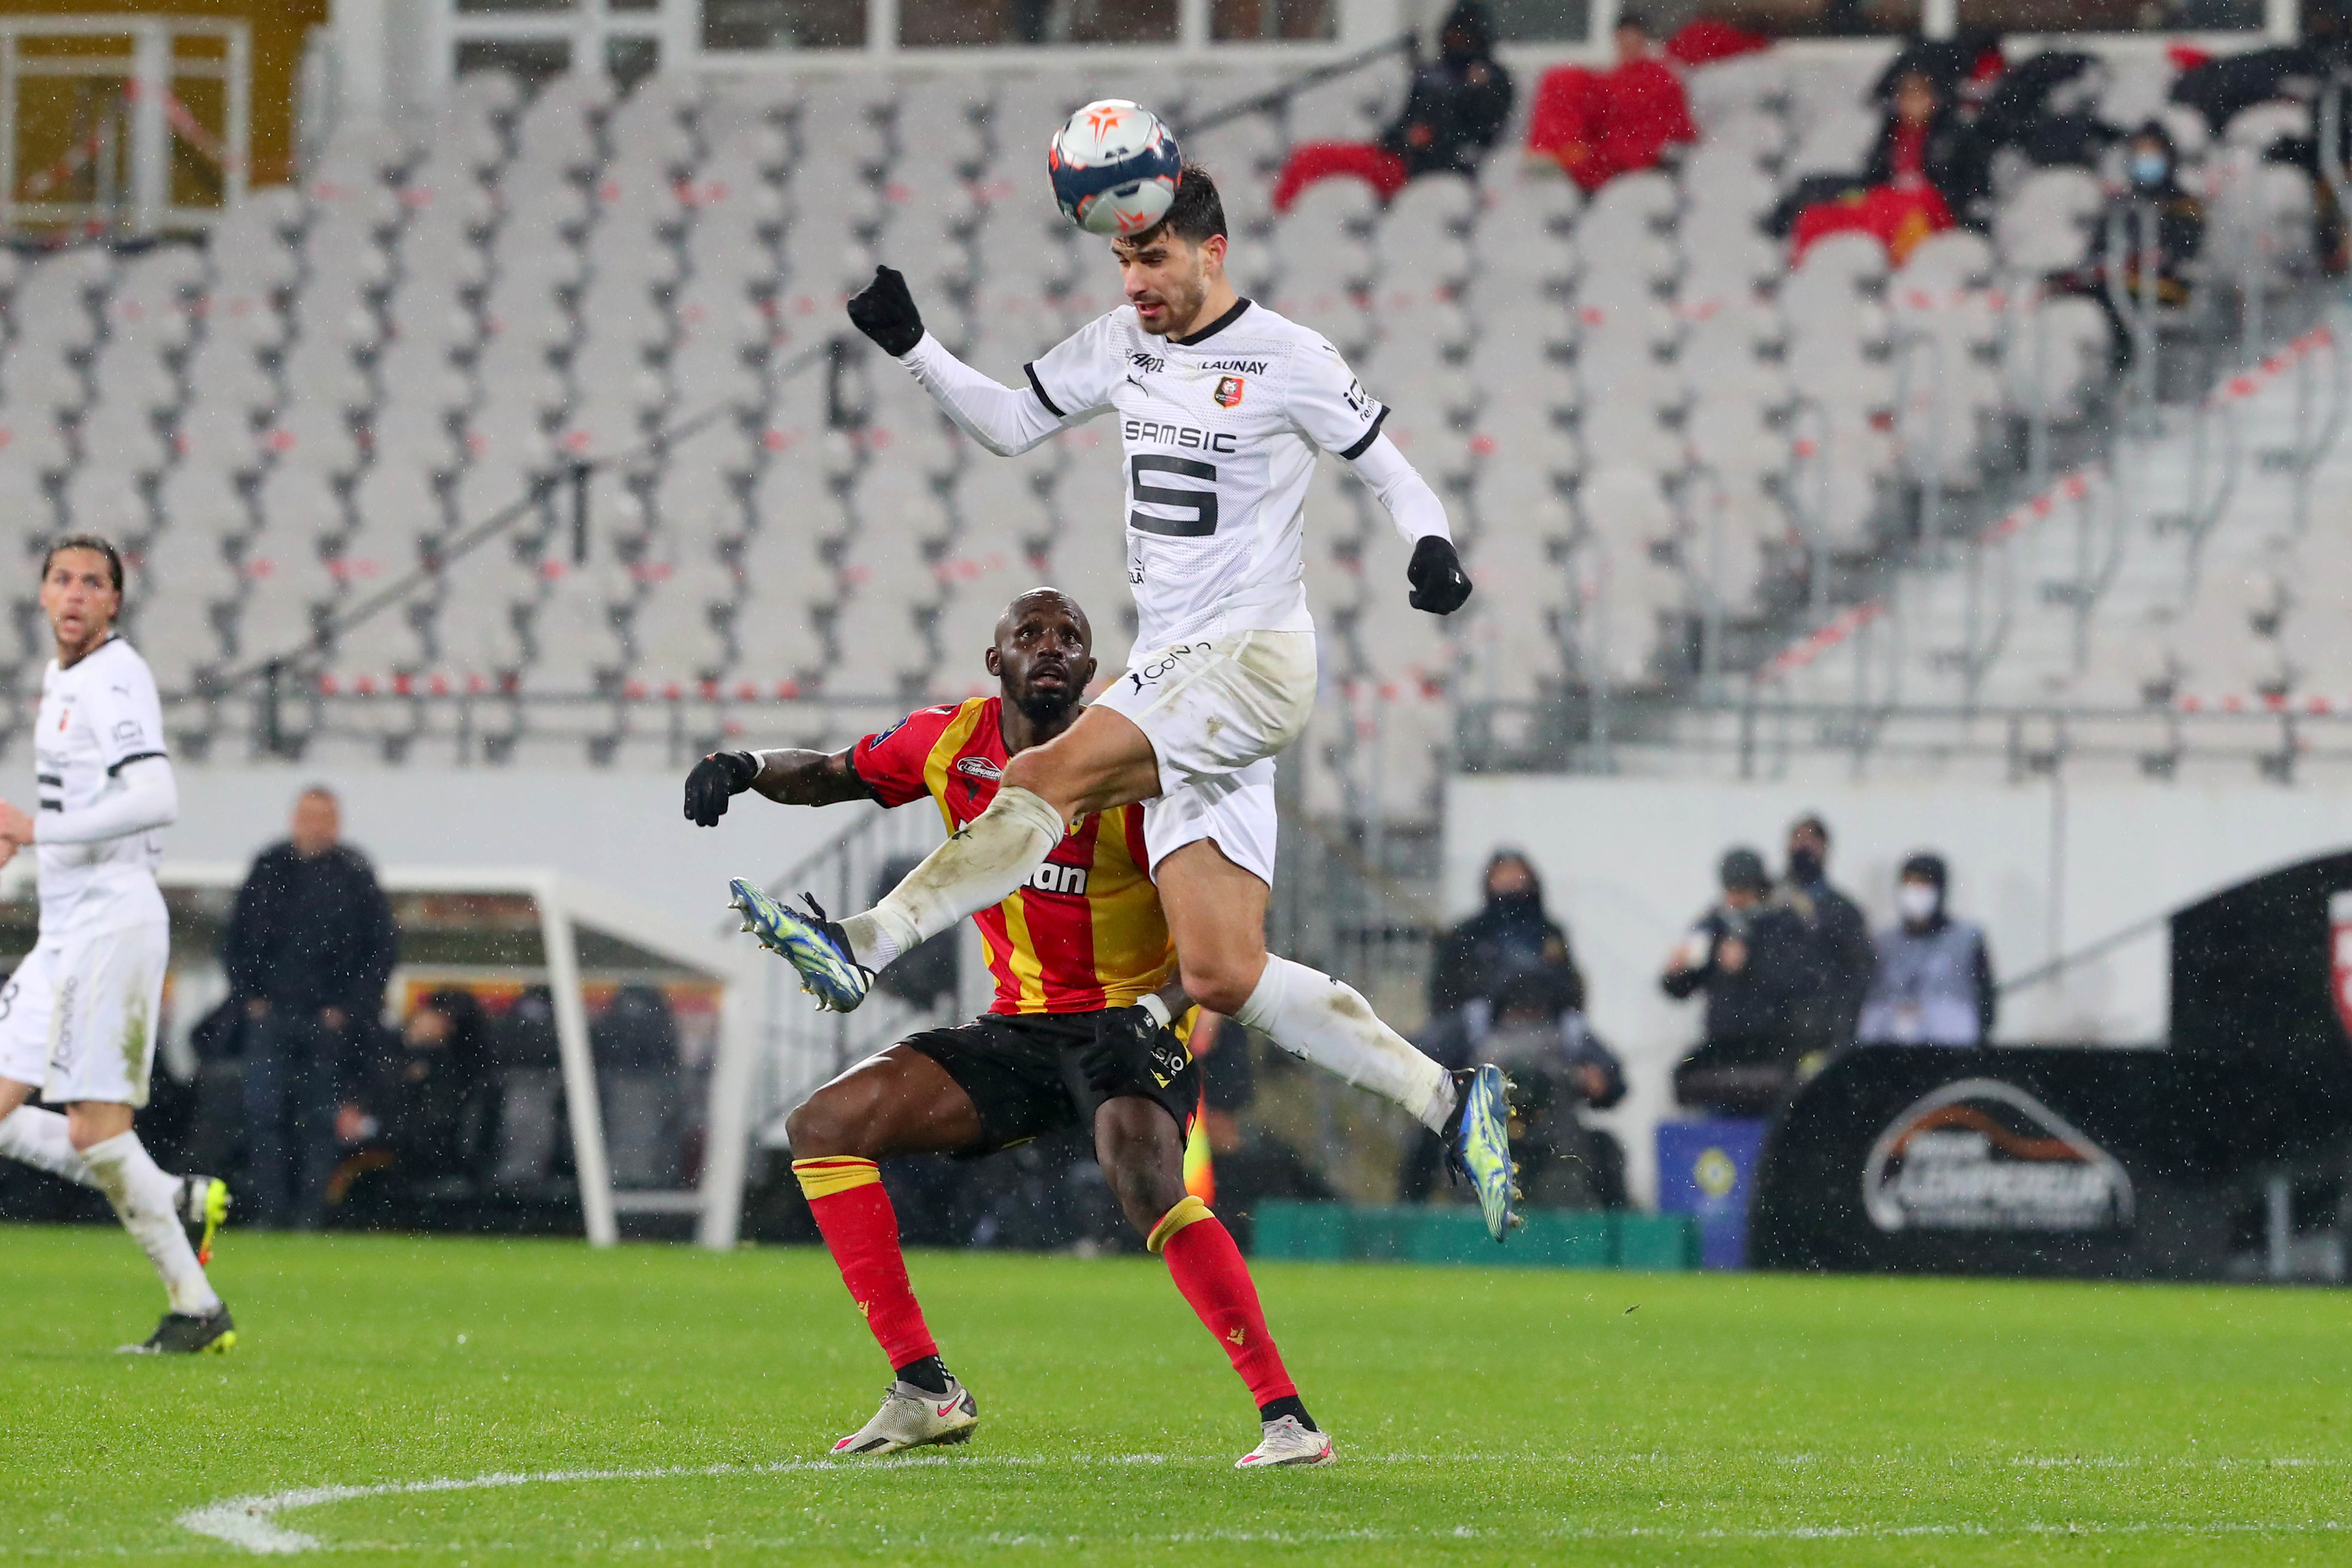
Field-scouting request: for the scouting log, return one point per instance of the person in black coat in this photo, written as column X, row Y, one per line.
column 1757, row 965
column 309, row 949
column 423, row 1116
column 1458, row 102
column 1844, row 951
column 1511, row 932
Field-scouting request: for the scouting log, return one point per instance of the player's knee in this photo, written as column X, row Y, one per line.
column 1142, row 1158
column 1220, row 981
column 823, row 1125
column 1043, row 777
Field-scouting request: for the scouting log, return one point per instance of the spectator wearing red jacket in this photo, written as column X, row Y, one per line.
column 1600, row 124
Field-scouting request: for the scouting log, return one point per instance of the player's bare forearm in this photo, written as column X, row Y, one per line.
column 1172, row 997
column 793, row 776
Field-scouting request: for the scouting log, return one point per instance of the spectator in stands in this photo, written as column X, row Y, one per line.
column 1558, row 1066
column 2152, row 205
column 422, row 1119
column 1510, row 933
column 1454, row 111
column 1756, row 963
column 1924, row 175
column 1841, row 935
column 1935, row 984
column 309, row 948
column 1598, row 125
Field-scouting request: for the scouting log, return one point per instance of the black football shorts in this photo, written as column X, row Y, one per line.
column 1023, row 1072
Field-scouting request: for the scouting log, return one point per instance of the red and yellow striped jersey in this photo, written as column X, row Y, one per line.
column 1087, row 931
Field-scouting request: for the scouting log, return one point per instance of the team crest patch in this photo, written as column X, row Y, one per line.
column 978, row 768
column 1229, row 391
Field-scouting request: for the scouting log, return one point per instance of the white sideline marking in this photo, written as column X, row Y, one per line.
column 250, row 1522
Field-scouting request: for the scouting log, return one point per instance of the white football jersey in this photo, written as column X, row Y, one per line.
column 96, row 718
column 1219, row 432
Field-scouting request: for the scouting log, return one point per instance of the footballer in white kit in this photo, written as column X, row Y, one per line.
column 1224, row 407
column 78, row 1017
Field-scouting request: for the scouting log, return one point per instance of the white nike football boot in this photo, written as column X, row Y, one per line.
column 911, row 1417
column 1287, row 1442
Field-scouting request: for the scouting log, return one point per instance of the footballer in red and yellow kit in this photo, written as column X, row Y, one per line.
column 1087, row 931
column 1078, row 1037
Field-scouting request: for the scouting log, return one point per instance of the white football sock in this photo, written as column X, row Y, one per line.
column 37, row 1138
column 980, row 864
column 143, row 1197
column 1323, row 1021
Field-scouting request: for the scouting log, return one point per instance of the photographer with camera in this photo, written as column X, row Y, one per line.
column 1757, row 964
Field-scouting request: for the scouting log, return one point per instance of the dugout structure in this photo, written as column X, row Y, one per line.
column 499, row 933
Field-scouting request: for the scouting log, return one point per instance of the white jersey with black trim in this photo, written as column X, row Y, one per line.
column 96, row 719
column 1219, row 432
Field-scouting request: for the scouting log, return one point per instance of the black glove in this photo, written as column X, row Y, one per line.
column 1131, row 1050
column 886, row 313
column 1438, row 583
column 716, row 779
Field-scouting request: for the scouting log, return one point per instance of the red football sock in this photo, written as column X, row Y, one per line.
column 1209, row 1271
column 861, row 1229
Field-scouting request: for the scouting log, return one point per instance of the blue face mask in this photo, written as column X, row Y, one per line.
column 2149, row 168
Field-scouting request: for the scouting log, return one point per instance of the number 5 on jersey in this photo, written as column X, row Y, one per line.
column 1201, row 504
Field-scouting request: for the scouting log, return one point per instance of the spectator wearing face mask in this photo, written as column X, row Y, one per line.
column 1847, row 957
column 2153, row 208
column 1935, row 984
column 1512, row 932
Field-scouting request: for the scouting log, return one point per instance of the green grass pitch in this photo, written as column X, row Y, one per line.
column 1480, row 1417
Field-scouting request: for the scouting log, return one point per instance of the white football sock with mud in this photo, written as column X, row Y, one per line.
column 1324, row 1021
column 143, row 1197
column 981, row 865
column 31, row 1136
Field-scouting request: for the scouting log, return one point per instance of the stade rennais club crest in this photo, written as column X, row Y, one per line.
column 1980, row 1154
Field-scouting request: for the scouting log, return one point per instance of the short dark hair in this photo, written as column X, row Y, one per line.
column 1197, row 213
column 87, row 542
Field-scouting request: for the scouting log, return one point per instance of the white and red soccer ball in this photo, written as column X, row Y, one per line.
column 1115, row 167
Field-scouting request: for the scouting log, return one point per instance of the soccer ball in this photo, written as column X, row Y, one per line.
column 1115, row 167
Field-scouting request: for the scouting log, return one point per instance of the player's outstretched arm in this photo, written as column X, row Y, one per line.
column 1438, row 583
column 1006, row 420
column 788, row 776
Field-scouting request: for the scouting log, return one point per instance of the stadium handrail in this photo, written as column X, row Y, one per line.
column 1281, row 94
column 538, row 494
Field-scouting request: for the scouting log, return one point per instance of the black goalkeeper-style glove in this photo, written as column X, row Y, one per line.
column 715, row 780
column 886, row 313
column 1438, row 583
column 1131, row 1050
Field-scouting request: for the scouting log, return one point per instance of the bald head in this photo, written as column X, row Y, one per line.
column 1043, row 599
column 1043, row 656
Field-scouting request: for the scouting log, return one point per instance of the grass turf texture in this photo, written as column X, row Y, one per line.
column 1482, row 1417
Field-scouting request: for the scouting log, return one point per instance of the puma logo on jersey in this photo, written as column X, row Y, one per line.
column 1053, row 878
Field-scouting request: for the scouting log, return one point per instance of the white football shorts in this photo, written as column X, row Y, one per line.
column 1236, row 810
column 79, row 1017
column 1214, row 705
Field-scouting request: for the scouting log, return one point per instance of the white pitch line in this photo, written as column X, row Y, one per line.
column 250, row 1522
